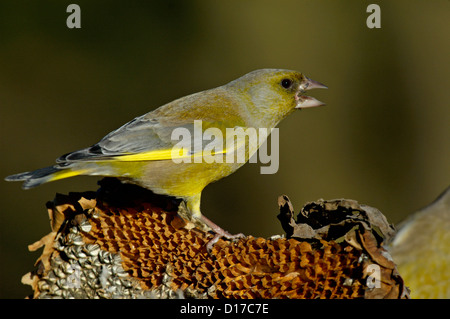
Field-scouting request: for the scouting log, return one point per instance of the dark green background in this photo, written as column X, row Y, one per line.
column 382, row 139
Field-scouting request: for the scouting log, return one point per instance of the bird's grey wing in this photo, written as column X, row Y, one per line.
column 142, row 134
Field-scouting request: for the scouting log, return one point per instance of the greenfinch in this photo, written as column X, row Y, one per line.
column 421, row 250
column 144, row 151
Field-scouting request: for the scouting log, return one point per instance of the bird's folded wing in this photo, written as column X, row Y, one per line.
column 145, row 139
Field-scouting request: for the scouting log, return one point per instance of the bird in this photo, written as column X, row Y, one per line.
column 421, row 249
column 144, row 151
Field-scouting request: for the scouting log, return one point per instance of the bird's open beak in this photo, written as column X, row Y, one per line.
column 304, row 101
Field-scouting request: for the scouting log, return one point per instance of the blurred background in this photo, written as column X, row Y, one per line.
column 383, row 138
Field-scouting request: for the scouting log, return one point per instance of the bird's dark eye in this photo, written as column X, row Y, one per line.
column 286, row 83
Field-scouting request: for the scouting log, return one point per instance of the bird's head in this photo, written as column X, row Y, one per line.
column 271, row 94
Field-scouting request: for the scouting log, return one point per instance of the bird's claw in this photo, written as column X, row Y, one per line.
column 212, row 242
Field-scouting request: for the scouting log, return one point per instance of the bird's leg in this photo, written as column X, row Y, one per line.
column 220, row 232
column 193, row 206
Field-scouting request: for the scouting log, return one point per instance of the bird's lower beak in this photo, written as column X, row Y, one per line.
column 305, row 101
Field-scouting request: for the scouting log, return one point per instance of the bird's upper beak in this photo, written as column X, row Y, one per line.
column 304, row 101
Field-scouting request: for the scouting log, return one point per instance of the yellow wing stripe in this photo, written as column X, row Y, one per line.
column 176, row 153
column 153, row 155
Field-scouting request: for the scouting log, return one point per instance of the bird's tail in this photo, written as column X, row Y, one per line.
column 44, row 175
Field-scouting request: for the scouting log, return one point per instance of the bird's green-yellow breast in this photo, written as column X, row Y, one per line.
column 144, row 151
